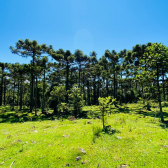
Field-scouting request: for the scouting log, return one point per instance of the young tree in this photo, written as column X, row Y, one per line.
column 103, row 104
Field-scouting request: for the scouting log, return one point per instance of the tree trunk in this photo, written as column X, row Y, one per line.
column 91, row 96
column 29, row 103
column 21, row 90
column 136, row 86
column 159, row 98
column 55, row 109
column 122, row 93
column 163, row 84
column 79, row 74
column 43, row 103
column 36, row 98
column 114, row 86
column 94, row 91
column 67, row 81
column 18, row 94
column 1, row 93
column 167, row 91
column 98, row 90
column 32, row 87
column 83, row 88
column 142, row 93
column 4, row 91
column 14, row 95
column 121, row 90
column 88, row 92
column 107, row 90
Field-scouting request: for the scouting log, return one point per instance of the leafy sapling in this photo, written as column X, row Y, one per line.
column 103, row 104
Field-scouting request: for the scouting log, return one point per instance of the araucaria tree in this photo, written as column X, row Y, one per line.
column 157, row 60
column 75, row 79
column 32, row 49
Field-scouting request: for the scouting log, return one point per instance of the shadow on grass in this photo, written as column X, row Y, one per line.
column 22, row 116
column 123, row 110
column 140, row 111
column 25, row 115
column 110, row 131
column 164, row 125
column 83, row 114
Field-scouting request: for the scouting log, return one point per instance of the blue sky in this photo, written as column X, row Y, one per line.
column 89, row 25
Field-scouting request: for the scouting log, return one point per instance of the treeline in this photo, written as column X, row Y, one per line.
column 76, row 79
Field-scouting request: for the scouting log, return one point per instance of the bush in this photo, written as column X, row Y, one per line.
column 76, row 101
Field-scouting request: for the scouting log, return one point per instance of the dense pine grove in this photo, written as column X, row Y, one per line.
column 72, row 80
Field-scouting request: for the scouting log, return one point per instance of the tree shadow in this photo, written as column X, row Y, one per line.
column 143, row 112
column 110, row 131
column 164, row 125
column 25, row 115
column 140, row 111
column 123, row 110
column 22, row 116
column 83, row 114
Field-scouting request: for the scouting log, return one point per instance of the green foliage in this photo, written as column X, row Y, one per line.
column 2, row 109
column 76, row 100
column 62, row 108
column 103, row 104
column 58, row 92
column 57, row 96
column 156, row 62
column 126, row 75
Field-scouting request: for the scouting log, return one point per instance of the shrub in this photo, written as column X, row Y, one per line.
column 76, row 100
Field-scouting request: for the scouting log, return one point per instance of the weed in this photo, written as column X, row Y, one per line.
column 71, row 118
column 122, row 120
column 96, row 132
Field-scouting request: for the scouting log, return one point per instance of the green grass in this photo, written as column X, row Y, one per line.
column 140, row 140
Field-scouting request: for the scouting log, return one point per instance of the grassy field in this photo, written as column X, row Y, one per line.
column 137, row 139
